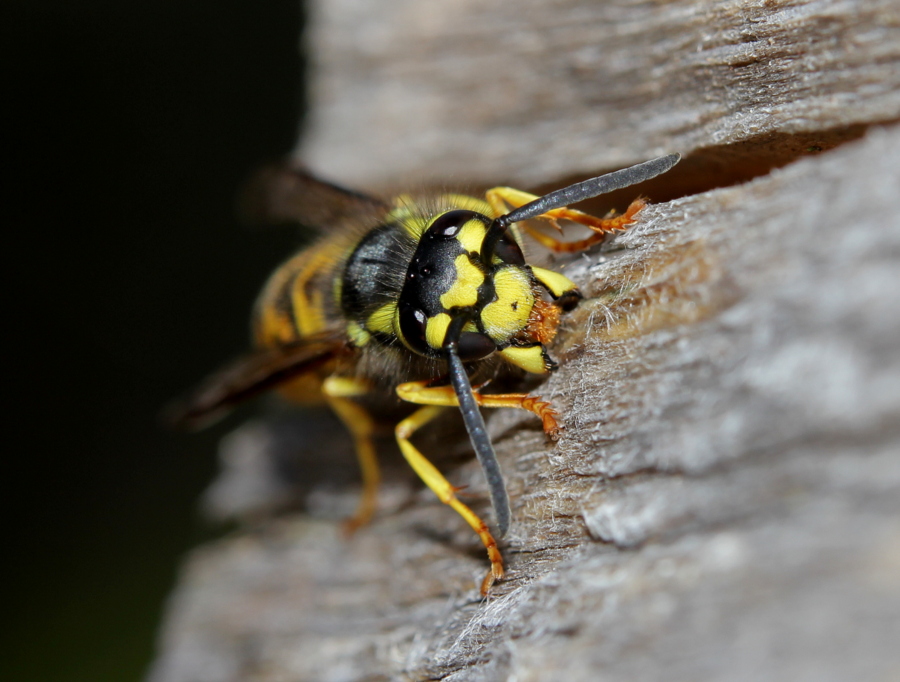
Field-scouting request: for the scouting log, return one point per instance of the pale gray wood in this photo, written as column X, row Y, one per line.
column 724, row 503
column 531, row 91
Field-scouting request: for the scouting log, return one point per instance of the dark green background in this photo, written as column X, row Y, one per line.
column 128, row 278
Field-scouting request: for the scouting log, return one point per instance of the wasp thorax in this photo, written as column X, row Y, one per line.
column 448, row 276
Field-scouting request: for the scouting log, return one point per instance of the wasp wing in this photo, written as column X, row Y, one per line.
column 251, row 375
column 283, row 194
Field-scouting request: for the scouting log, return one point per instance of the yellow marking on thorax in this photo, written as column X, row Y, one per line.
column 358, row 336
column 466, row 202
column 382, row 320
column 510, row 312
column 464, row 291
column 404, row 213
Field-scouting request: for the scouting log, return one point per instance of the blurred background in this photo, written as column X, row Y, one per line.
column 133, row 127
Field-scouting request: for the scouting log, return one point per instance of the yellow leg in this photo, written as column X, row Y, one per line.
column 441, row 487
column 339, row 392
column 436, row 398
column 501, row 198
column 420, row 393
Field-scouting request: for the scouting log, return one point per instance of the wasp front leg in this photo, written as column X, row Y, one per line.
column 421, row 393
column 436, row 398
column 441, row 487
column 339, row 392
column 501, row 198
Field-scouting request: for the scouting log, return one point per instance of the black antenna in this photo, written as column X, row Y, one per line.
column 474, row 422
column 572, row 194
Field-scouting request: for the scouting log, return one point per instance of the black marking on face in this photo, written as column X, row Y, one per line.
column 508, row 251
column 475, row 346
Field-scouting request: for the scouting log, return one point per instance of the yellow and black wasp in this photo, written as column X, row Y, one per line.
column 423, row 297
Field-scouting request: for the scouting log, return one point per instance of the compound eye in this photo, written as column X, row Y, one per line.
column 448, row 225
column 475, row 346
column 412, row 325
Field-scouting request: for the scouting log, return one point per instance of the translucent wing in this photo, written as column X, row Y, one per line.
column 284, row 194
column 251, row 375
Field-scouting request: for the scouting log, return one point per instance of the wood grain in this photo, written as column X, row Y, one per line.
column 533, row 91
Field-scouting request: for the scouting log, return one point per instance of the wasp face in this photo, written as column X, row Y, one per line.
column 449, row 275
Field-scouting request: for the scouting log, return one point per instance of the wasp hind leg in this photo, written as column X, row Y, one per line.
column 501, row 198
column 339, row 392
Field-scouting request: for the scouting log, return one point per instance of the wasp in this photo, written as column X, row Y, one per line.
column 427, row 298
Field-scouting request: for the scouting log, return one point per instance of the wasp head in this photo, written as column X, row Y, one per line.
column 451, row 275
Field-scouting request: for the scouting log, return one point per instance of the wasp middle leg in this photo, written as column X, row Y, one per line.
column 339, row 392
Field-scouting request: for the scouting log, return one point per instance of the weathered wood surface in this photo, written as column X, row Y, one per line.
column 530, row 91
column 725, row 500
